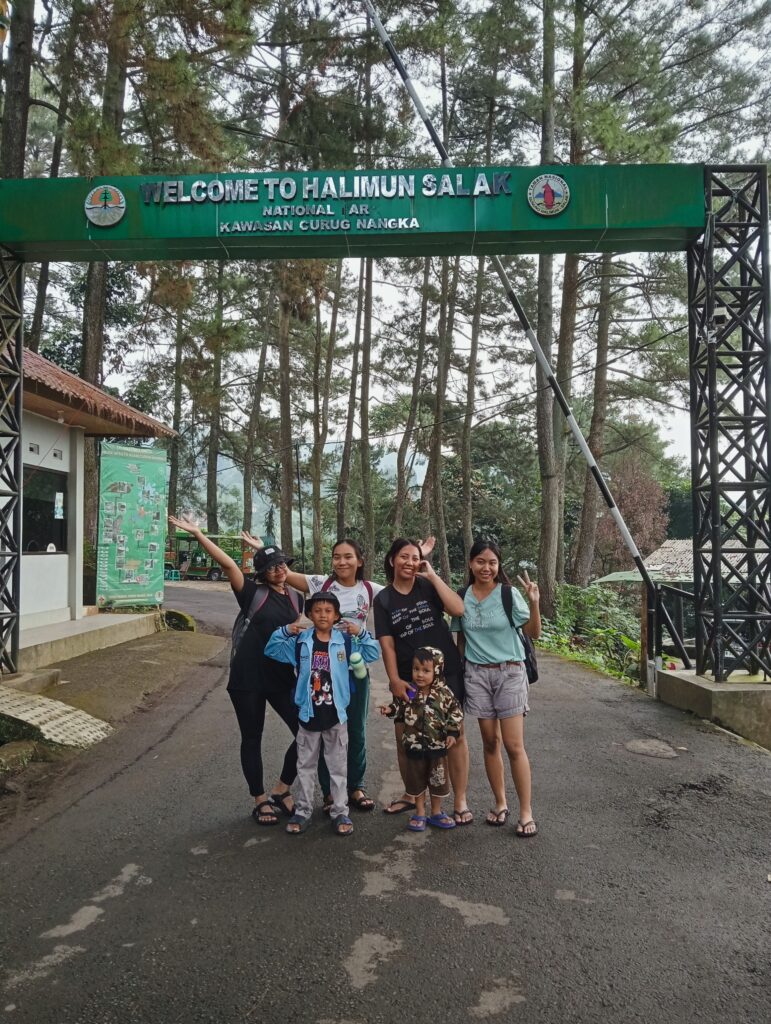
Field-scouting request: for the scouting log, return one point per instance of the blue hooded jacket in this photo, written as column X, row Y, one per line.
column 283, row 647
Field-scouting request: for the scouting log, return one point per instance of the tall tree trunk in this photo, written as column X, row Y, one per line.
column 250, row 461
column 285, row 419
column 176, row 416
column 13, row 139
column 471, row 397
column 345, row 459
column 465, row 448
column 547, row 550
column 322, row 379
column 215, row 407
column 402, row 469
column 113, row 98
column 584, row 557
column 284, row 317
column 446, row 331
column 91, row 370
column 570, row 282
column 364, row 451
column 32, row 340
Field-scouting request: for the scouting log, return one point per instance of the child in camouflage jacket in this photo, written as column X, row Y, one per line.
column 432, row 723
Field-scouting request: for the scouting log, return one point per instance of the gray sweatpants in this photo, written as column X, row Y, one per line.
column 309, row 745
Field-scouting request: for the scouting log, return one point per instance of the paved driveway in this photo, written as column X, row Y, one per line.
column 141, row 891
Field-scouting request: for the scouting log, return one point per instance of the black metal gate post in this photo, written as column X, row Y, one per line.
column 730, row 359
column 11, row 338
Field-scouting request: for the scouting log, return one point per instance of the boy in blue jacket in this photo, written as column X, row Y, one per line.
column 322, row 695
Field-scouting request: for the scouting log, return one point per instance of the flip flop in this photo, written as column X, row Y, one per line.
column 270, row 813
column 442, row 820
column 522, row 825
column 458, row 817
column 297, row 819
column 398, row 806
column 500, row 817
column 363, row 802
column 339, row 821
column 417, row 823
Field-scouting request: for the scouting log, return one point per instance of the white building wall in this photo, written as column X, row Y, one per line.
column 52, row 584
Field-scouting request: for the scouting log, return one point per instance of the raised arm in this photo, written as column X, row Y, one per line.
column 533, row 625
column 451, row 602
column 298, row 580
column 229, row 567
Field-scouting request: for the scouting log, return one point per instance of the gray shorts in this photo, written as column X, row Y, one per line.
column 499, row 692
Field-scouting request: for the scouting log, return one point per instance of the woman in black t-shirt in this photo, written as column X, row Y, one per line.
column 256, row 681
column 409, row 614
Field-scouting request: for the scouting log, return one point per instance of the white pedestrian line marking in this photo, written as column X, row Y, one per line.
column 497, row 998
column 199, row 851
column 10, row 1007
column 43, row 967
column 394, row 867
column 86, row 915
column 472, row 913
column 569, row 896
column 118, row 885
column 368, row 952
column 256, row 842
column 79, row 921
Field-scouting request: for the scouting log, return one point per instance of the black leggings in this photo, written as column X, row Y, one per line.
column 250, row 711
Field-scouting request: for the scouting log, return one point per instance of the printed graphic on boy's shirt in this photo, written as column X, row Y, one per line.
column 321, row 680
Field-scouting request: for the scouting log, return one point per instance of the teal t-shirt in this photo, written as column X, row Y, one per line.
column 489, row 636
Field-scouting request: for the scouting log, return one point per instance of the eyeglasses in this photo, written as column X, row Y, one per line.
column 276, row 566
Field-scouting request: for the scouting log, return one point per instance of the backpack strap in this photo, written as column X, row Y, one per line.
column 367, row 586
column 259, row 599
column 508, row 603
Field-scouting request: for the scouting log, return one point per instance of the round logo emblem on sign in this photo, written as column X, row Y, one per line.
column 548, row 194
column 105, row 205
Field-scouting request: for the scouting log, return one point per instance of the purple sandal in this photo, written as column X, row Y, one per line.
column 442, row 820
column 417, row 823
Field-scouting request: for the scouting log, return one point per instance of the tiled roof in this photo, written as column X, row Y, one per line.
column 673, row 559
column 41, row 377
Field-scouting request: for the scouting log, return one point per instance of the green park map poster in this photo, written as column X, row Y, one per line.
column 132, row 526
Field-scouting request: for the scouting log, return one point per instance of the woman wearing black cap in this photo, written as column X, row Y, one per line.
column 256, row 681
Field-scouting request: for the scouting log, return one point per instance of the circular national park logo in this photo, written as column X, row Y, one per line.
column 105, row 205
column 548, row 194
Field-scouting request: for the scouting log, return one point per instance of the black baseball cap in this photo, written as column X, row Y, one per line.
column 266, row 558
column 322, row 595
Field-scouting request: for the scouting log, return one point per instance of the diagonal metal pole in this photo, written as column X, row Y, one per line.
column 540, row 355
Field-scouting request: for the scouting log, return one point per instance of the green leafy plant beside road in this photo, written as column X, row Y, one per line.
column 597, row 626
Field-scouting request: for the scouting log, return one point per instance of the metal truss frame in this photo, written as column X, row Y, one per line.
column 730, row 385
column 11, row 339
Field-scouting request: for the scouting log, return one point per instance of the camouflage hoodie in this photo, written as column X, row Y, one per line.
column 429, row 718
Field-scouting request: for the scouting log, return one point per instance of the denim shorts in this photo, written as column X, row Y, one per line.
column 496, row 692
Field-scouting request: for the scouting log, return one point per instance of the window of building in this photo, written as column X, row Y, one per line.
column 44, row 511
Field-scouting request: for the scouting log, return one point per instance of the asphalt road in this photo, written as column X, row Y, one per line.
column 142, row 891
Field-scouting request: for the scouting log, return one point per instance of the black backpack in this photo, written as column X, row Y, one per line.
column 531, row 662
column 244, row 618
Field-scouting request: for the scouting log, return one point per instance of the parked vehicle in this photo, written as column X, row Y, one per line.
column 186, row 555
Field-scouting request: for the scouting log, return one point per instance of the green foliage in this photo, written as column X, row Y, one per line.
column 596, row 626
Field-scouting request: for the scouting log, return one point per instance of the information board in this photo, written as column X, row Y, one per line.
column 132, row 526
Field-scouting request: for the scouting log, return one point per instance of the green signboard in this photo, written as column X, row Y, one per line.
column 433, row 211
column 132, row 526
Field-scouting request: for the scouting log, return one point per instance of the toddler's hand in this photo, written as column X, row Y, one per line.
column 351, row 628
column 383, row 709
column 451, row 741
column 294, row 628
